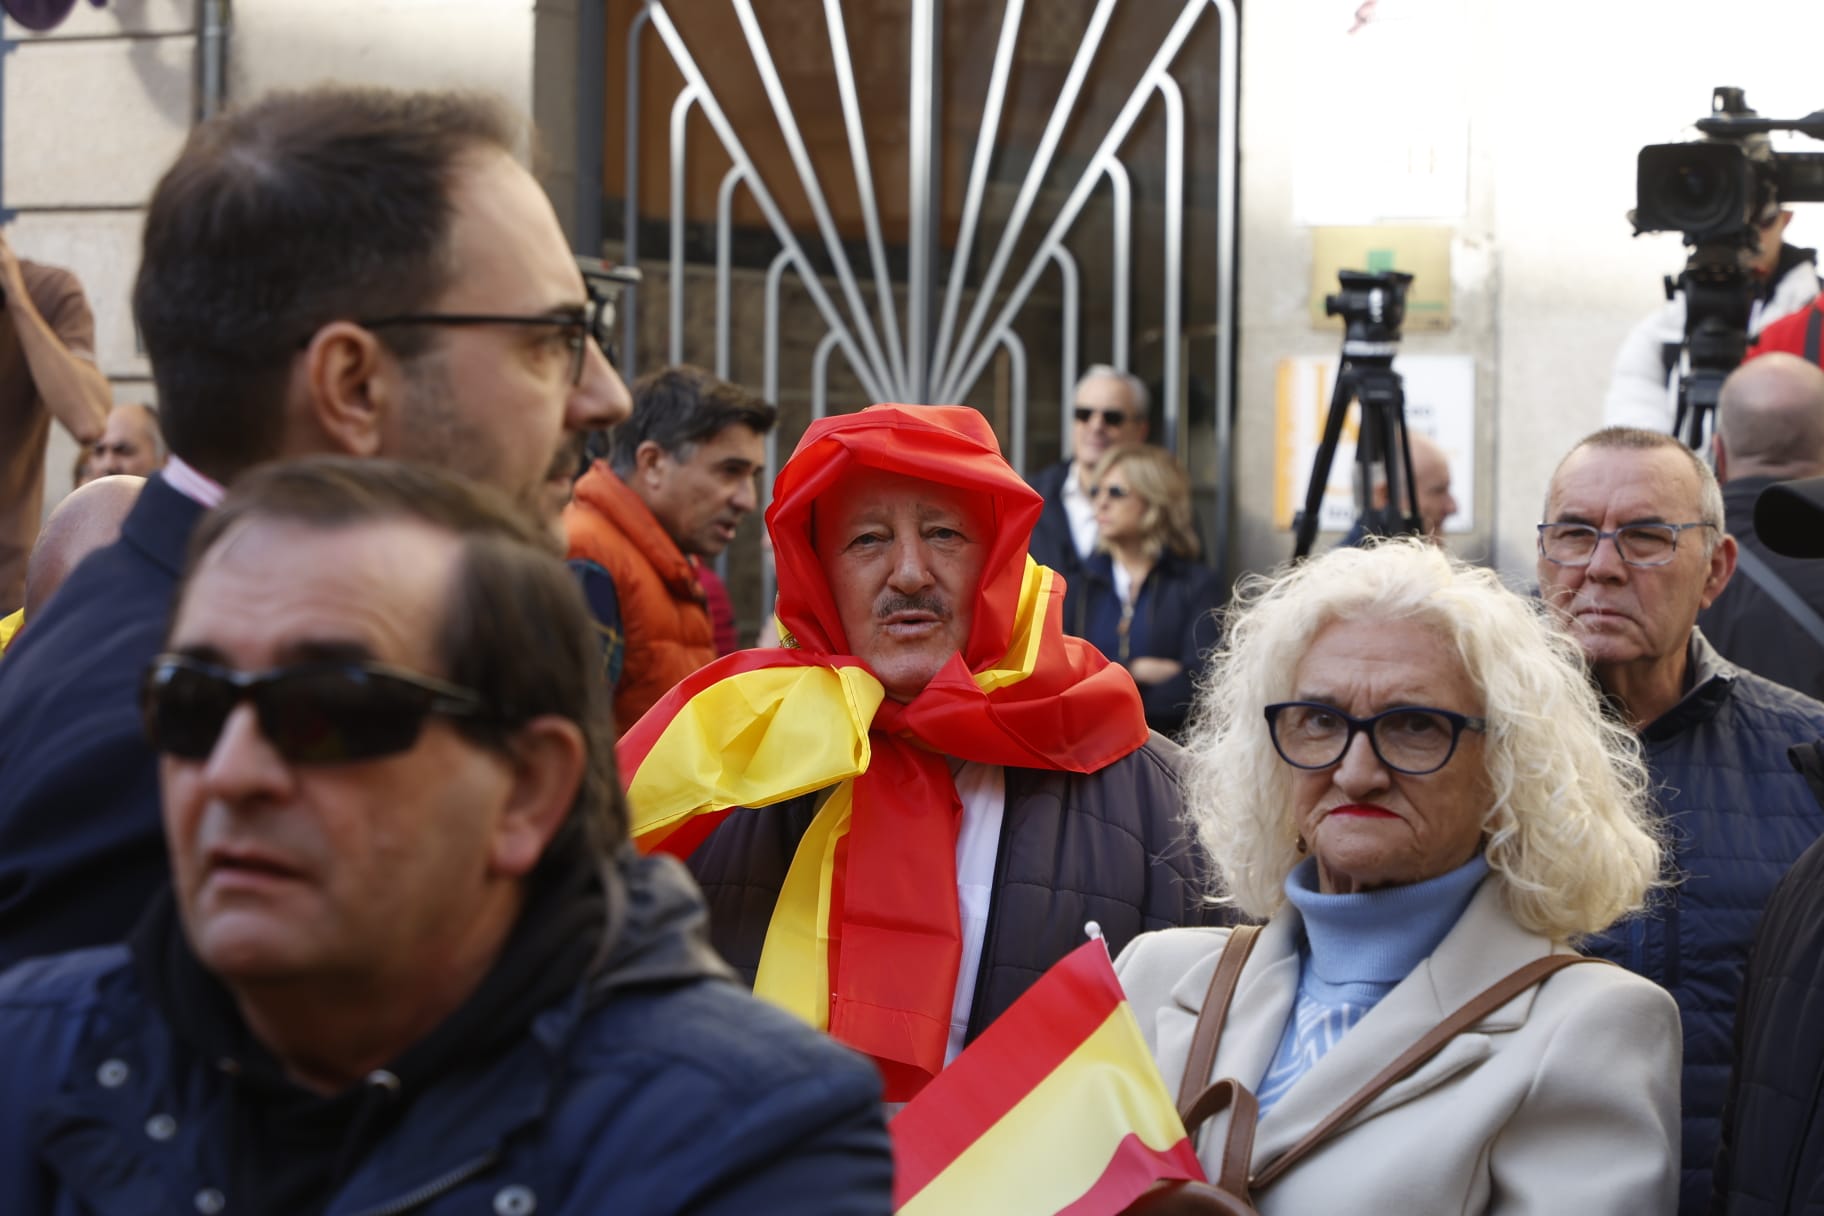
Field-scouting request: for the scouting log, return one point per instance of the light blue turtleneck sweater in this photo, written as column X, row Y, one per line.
column 1356, row 948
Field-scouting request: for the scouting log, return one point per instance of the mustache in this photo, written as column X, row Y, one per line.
column 930, row 602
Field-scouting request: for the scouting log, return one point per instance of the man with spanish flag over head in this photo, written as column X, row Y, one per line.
column 908, row 813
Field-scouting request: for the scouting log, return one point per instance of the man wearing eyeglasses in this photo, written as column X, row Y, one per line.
column 406, row 960
column 348, row 271
column 1632, row 548
column 1111, row 409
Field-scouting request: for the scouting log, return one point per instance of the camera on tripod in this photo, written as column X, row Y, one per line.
column 1373, row 307
column 1720, row 192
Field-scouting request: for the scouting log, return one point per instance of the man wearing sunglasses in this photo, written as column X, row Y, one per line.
column 1111, row 409
column 1632, row 548
column 348, row 271
column 406, row 959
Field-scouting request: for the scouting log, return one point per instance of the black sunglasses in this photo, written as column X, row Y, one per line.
column 1112, row 493
column 319, row 713
column 1110, row 418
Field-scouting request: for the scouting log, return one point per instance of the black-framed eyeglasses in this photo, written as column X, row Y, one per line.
column 316, row 713
column 1112, row 493
column 1110, row 418
column 1644, row 545
column 578, row 326
column 1410, row 739
column 602, row 283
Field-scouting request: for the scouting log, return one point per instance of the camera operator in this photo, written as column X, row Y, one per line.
column 1643, row 387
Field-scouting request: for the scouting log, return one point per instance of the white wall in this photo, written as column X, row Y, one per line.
column 1583, row 86
column 1561, row 95
column 479, row 44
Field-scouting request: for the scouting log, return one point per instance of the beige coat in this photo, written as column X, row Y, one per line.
column 1564, row 1100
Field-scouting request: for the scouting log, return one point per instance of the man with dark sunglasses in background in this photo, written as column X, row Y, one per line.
column 1631, row 549
column 360, row 272
column 407, row 958
column 1112, row 408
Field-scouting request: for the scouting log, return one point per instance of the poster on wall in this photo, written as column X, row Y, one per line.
column 1381, row 128
column 1440, row 404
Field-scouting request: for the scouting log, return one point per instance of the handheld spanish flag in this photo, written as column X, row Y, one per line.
column 1056, row 1108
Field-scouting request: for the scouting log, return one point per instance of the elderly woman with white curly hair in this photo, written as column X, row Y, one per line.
column 1401, row 767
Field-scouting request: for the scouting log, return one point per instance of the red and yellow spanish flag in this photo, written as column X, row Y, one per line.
column 1056, row 1108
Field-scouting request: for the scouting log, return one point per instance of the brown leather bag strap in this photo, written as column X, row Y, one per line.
column 1215, row 1010
column 1238, row 1147
column 1468, row 1014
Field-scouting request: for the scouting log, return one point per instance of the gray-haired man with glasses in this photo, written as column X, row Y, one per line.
column 1632, row 547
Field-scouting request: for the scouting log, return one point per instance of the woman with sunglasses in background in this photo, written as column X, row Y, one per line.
column 1142, row 599
column 1401, row 767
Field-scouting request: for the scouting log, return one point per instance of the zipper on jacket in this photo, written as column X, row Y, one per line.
column 1637, row 945
column 435, row 1187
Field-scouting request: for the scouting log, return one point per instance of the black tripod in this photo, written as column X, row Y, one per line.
column 1718, row 298
column 1372, row 306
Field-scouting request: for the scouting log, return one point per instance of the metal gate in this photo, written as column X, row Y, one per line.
column 941, row 346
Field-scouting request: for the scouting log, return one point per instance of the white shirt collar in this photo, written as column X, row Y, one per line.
column 198, row 487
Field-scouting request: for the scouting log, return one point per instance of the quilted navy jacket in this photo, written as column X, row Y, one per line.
column 658, row 1087
column 1174, row 618
column 1738, row 816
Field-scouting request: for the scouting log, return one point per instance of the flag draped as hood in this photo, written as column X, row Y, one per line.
column 865, row 939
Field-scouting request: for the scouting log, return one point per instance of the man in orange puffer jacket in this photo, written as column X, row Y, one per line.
column 675, row 486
